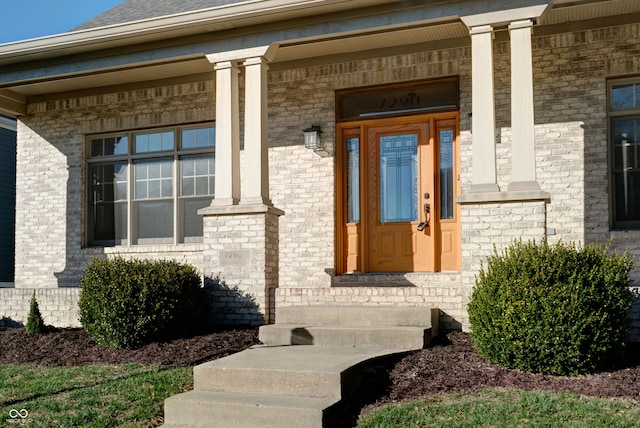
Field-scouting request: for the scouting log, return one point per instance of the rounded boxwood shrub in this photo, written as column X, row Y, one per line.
column 127, row 303
column 556, row 309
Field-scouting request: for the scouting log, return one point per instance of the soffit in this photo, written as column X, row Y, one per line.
column 371, row 41
column 560, row 12
column 117, row 77
column 566, row 11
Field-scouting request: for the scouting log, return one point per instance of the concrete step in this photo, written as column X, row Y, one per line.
column 368, row 326
column 405, row 337
column 245, row 410
column 299, row 371
column 305, row 385
column 357, row 316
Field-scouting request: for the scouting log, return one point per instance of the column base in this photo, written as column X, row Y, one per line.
column 240, row 209
column 524, row 185
column 484, row 188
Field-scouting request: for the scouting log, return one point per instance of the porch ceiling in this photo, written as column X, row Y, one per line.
column 365, row 42
column 565, row 11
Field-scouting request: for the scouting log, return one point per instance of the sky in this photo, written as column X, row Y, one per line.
column 28, row 19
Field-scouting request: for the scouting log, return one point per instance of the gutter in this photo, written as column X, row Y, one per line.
column 182, row 24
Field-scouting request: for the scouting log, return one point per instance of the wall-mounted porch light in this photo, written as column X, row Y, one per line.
column 312, row 137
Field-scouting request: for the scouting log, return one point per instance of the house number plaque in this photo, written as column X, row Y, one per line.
column 234, row 258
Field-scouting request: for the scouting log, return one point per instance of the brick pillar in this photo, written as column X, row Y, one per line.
column 241, row 246
column 241, row 234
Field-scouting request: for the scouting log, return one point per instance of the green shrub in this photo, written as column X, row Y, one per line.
column 558, row 309
column 35, row 323
column 127, row 303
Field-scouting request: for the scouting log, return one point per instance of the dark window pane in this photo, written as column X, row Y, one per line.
column 109, row 146
column 192, row 222
column 109, row 222
column 625, row 144
column 155, row 219
column 108, row 219
column 96, row 147
column 627, row 196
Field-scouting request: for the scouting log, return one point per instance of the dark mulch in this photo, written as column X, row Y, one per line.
column 71, row 347
column 449, row 365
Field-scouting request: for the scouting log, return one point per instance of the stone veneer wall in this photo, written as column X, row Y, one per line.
column 570, row 72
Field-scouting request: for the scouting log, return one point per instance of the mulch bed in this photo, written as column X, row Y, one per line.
column 450, row 364
column 72, row 347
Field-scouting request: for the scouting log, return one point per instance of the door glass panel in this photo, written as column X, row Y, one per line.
column 353, row 180
column 446, row 174
column 398, row 178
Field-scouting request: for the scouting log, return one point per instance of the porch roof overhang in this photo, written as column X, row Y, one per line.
column 177, row 45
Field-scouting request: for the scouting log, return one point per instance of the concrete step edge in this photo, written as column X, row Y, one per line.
column 223, row 409
column 357, row 315
column 322, row 335
column 288, row 371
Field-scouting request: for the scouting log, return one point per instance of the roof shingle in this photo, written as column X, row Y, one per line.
column 135, row 10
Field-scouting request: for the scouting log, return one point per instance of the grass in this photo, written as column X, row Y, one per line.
column 505, row 408
column 129, row 395
column 132, row 395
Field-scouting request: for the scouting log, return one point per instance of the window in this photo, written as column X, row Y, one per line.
column 147, row 187
column 624, row 140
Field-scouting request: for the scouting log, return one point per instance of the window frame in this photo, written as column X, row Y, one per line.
column 613, row 115
column 178, row 200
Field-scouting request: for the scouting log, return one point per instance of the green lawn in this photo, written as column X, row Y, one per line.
column 132, row 395
column 129, row 395
column 505, row 408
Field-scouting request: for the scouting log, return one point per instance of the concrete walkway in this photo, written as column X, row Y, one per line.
column 285, row 384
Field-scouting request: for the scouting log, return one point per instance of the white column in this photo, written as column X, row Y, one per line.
column 523, row 156
column 483, row 112
column 227, row 163
column 256, row 155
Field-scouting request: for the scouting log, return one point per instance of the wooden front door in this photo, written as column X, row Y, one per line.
column 397, row 191
column 399, row 177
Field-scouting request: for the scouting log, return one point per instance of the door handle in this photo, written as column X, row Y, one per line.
column 427, row 217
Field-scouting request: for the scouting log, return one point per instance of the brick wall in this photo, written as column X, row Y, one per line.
column 570, row 72
column 242, row 266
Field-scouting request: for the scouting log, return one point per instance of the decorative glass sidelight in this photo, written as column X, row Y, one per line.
column 446, row 174
column 353, row 180
column 398, row 178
